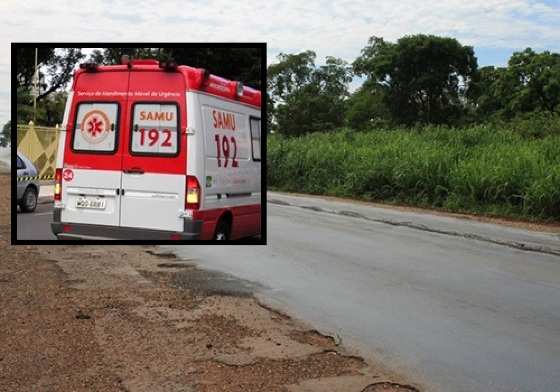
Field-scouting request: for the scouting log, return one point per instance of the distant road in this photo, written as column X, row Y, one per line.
column 454, row 304
column 36, row 225
column 5, row 156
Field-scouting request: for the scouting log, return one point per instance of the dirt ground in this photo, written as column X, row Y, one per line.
column 126, row 318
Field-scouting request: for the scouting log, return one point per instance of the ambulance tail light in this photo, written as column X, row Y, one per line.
column 192, row 199
column 58, row 185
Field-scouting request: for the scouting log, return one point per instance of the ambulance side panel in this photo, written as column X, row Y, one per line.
column 222, row 160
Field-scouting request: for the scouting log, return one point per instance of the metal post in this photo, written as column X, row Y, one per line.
column 35, row 77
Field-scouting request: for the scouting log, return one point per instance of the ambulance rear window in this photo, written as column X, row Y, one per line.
column 256, row 138
column 155, row 129
column 95, row 129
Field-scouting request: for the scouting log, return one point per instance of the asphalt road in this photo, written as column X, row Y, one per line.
column 455, row 305
column 36, row 225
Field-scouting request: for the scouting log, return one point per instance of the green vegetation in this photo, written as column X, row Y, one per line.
column 481, row 169
column 427, row 127
column 420, row 79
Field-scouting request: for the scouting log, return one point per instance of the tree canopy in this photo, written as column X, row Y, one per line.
column 530, row 82
column 243, row 64
column 305, row 97
column 424, row 77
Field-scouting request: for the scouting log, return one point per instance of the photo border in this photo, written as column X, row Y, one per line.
column 264, row 131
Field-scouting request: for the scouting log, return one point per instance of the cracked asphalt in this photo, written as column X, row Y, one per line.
column 455, row 304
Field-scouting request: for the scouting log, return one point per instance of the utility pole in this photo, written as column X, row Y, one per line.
column 35, row 91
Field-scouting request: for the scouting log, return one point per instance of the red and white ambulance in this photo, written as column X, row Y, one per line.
column 152, row 150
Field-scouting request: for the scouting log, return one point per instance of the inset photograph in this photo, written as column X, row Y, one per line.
column 138, row 144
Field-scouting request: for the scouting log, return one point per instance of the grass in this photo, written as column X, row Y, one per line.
column 481, row 169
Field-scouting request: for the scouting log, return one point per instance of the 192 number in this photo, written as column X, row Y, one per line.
column 223, row 146
column 153, row 136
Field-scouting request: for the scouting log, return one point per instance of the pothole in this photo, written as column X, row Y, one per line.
column 312, row 208
column 386, row 386
column 206, row 283
column 163, row 255
column 174, row 265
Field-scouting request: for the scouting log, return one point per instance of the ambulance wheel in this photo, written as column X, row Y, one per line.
column 29, row 200
column 222, row 230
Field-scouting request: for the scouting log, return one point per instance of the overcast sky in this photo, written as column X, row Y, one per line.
column 341, row 28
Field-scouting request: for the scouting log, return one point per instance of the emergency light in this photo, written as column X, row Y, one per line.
column 239, row 89
column 169, row 66
column 89, row 67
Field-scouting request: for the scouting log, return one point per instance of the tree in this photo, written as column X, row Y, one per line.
column 6, row 135
column 530, row 83
column 290, row 74
column 243, row 64
column 485, row 93
column 55, row 68
column 366, row 108
column 24, row 105
column 425, row 78
column 307, row 98
column 55, row 71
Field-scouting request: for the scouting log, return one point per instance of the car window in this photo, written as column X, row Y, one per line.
column 96, row 129
column 256, row 138
column 20, row 164
column 155, row 129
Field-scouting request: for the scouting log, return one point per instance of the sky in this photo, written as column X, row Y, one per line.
column 496, row 28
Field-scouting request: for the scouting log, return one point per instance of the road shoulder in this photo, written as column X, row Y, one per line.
column 126, row 318
column 454, row 225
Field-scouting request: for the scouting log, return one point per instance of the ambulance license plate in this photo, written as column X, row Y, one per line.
column 97, row 204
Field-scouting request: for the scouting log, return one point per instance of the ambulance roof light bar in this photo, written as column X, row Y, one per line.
column 239, row 89
column 169, row 65
column 89, row 67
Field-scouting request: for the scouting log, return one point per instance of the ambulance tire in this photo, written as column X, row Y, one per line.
column 222, row 230
column 29, row 200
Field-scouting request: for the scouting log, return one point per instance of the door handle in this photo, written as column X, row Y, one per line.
column 134, row 170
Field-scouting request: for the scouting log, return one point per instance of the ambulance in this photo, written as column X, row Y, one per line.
column 155, row 151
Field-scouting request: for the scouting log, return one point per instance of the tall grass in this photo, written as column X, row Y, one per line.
column 478, row 169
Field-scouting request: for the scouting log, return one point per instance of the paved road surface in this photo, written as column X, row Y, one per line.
column 5, row 160
column 452, row 312
column 36, row 225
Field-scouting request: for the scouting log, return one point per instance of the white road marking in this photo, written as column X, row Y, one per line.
column 42, row 213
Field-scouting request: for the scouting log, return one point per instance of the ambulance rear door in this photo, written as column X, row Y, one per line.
column 154, row 161
column 91, row 167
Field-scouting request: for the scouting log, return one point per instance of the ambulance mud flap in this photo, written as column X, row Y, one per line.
column 64, row 230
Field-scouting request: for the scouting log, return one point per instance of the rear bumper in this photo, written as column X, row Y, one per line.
column 70, row 231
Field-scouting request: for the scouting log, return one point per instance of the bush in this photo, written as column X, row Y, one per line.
column 476, row 169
